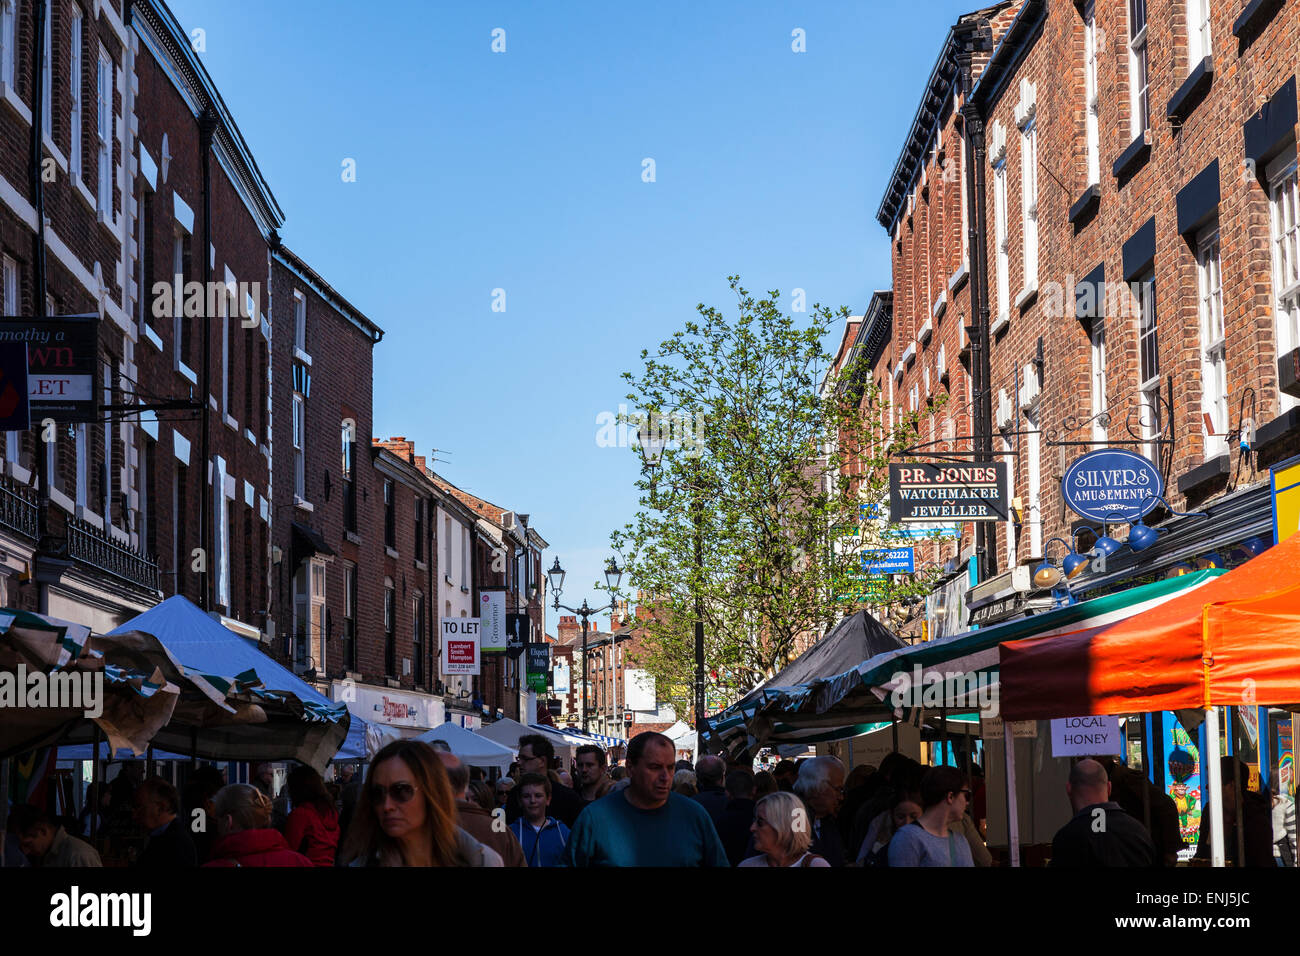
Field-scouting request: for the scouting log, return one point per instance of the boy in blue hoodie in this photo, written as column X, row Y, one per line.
column 543, row 838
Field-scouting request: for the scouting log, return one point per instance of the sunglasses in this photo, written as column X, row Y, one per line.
column 402, row 792
column 966, row 793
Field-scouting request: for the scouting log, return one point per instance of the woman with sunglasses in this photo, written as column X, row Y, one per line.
column 782, row 833
column 407, row 814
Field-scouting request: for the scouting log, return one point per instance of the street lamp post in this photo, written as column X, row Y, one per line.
column 651, row 449
column 613, row 575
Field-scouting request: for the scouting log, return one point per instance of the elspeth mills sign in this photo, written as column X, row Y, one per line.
column 921, row 491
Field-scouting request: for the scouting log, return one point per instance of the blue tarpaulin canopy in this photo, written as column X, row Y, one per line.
column 281, row 717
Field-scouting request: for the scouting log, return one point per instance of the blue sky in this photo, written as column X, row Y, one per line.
column 522, row 171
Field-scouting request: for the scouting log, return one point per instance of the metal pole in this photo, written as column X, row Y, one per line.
column 699, row 606
column 1013, row 814
column 96, row 780
column 584, row 668
column 207, row 127
column 943, row 735
column 894, row 728
column 1214, row 785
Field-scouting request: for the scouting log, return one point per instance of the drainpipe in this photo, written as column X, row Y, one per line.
column 976, row 36
column 38, row 292
column 207, row 128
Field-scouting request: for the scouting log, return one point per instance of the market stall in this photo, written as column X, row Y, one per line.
column 1233, row 642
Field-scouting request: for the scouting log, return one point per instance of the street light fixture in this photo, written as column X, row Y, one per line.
column 613, row 575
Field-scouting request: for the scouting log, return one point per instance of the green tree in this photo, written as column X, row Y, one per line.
column 762, row 466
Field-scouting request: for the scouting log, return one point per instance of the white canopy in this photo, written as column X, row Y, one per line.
column 683, row 736
column 470, row 747
column 507, row 733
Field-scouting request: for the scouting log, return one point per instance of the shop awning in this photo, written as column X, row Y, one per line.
column 857, row 701
column 67, row 661
column 1234, row 640
column 245, row 705
column 308, row 541
column 474, row 749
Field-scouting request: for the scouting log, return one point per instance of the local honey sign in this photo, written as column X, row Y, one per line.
column 920, row 491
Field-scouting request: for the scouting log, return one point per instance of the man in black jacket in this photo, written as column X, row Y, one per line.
column 738, row 816
column 1100, row 833
column 708, row 775
column 536, row 754
column 170, row 847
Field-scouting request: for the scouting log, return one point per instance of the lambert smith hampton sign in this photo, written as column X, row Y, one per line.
column 940, row 492
column 1112, row 485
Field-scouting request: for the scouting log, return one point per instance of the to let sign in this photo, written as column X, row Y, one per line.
column 926, row 492
column 460, row 646
column 62, row 358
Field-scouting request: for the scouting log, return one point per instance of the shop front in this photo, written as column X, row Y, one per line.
column 408, row 713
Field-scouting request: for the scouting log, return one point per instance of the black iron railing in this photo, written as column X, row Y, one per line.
column 99, row 550
column 17, row 507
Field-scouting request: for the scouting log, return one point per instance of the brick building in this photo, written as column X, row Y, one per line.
column 1134, row 256
column 327, row 550
column 132, row 125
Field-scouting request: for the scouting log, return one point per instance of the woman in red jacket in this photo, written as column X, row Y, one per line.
column 243, row 817
column 313, row 827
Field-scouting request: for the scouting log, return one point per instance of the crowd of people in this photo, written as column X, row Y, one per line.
column 421, row 805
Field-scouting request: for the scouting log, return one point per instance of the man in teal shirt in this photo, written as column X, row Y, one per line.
column 645, row 823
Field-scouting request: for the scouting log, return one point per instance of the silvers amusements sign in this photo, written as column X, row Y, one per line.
column 1112, row 484
column 920, row 491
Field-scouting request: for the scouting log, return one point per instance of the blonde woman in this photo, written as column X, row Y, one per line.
column 243, row 821
column 782, row 831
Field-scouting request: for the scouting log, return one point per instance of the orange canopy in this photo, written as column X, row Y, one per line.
column 1234, row 640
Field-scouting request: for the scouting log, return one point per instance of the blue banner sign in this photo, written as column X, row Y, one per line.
column 1112, row 485
column 890, row 561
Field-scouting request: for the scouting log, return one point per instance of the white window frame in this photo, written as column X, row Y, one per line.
column 104, row 132
column 1097, row 378
column 299, row 321
column 82, row 449
column 1214, row 376
column 1034, row 474
column 298, row 428
column 1011, row 493
column 8, row 41
column 1092, row 99
column 1284, row 243
column 1199, row 41
column 108, row 449
column 74, row 90
column 316, row 586
column 1002, row 242
column 229, row 307
column 464, row 556
column 9, row 303
column 446, row 532
column 1139, row 66
column 1029, row 202
column 1149, row 338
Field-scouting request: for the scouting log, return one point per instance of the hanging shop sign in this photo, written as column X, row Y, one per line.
column 62, row 358
column 14, row 412
column 1286, row 499
column 889, row 561
column 460, row 646
column 926, row 492
column 539, row 666
column 492, row 621
column 1112, row 485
